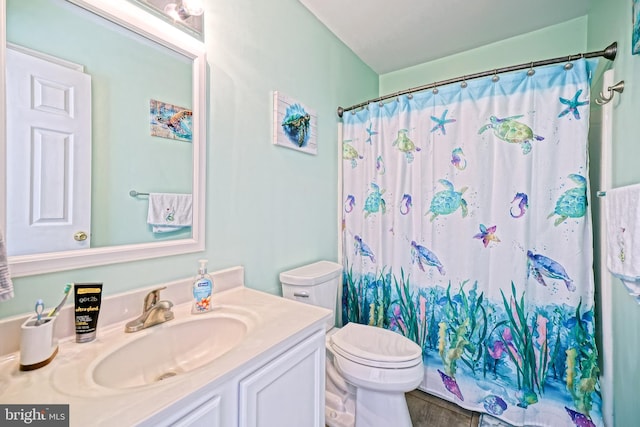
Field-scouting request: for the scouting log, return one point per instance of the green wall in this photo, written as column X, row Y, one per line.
column 273, row 208
column 558, row 40
column 611, row 20
column 269, row 208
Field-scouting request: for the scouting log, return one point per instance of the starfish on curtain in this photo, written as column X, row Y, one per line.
column 487, row 235
column 370, row 132
column 572, row 105
column 441, row 122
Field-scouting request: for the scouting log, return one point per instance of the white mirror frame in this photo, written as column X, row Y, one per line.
column 134, row 18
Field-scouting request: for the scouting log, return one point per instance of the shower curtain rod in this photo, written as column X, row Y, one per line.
column 609, row 53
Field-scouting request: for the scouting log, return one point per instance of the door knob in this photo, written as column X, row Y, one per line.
column 80, row 236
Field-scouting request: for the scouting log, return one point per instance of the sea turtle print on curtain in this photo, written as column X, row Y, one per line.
column 466, row 228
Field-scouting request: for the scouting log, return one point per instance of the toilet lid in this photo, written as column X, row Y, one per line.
column 377, row 347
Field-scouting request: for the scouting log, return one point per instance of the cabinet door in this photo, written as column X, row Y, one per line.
column 288, row 391
column 201, row 409
column 206, row 414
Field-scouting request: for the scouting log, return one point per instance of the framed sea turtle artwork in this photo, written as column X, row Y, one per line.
column 635, row 39
column 294, row 124
column 170, row 121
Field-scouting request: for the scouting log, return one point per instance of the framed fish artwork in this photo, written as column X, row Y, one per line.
column 170, row 121
column 635, row 38
column 294, row 124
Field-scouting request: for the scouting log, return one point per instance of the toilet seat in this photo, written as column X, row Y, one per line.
column 379, row 379
column 375, row 347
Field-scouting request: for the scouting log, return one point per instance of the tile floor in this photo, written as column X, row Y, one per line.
column 430, row 411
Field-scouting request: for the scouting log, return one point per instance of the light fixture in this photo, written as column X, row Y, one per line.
column 194, row 7
column 184, row 9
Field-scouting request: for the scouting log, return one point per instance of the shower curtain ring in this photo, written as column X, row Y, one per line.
column 531, row 71
column 435, row 89
column 568, row 65
column 410, row 96
column 464, row 82
column 495, row 77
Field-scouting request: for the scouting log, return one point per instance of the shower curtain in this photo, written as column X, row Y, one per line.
column 466, row 229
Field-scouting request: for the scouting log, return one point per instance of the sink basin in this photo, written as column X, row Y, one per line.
column 168, row 350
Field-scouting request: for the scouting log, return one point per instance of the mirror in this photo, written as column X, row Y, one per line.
column 143, row 73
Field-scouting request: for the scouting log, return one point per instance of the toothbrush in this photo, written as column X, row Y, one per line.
column 39, row 308
column 55, row 311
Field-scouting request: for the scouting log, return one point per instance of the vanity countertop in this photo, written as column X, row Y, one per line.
column 67, row 379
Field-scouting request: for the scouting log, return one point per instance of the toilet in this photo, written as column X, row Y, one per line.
column 369, row 369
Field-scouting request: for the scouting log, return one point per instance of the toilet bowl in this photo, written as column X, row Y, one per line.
column 369, row 369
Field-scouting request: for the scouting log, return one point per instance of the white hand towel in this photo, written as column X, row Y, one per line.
column 6, row 285
column 622, row 209
column 169, row 211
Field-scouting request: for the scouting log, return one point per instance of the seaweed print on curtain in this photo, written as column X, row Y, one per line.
column 466, row 229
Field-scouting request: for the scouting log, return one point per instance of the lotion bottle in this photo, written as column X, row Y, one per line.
column 202, row 290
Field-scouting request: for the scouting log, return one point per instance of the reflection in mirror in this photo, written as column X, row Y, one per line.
column 96, row 111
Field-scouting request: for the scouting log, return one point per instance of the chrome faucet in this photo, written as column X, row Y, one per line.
column 153, row 312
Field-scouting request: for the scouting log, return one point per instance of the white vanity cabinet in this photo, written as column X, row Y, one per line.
column 268, row 373
column 283, row 389
column 288, row 391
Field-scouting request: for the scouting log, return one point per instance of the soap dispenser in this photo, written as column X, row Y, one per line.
column 202, row 289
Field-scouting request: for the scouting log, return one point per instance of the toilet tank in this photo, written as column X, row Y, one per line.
column 315, row 284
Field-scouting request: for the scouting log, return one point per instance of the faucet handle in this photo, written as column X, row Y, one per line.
column 152, row 298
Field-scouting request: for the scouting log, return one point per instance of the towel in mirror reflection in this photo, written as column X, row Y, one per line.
column 169, row 211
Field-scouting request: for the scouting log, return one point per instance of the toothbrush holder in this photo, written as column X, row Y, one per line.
column 38, row 346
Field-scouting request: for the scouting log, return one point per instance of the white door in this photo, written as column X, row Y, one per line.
column 48, row 156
